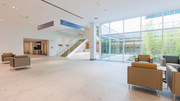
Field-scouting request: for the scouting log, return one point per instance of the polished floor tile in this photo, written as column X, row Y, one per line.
column 73, row 79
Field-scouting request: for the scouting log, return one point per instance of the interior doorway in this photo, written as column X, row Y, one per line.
column 36, row 46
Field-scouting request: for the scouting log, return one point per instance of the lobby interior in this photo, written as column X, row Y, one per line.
column 65, row 50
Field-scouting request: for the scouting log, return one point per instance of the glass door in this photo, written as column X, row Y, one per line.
column 105, row 47
column 116, row 49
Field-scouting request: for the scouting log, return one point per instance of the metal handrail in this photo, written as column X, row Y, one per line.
column 72, row 42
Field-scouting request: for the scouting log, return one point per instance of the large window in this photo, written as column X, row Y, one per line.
column 132, row 25
column 151, row 44
column 105, row 28
column 152, row 22
column 116, row 27
column 171, row 43
column 171, row 19
column 132, row 46
column 155, row 35
column 112, row 47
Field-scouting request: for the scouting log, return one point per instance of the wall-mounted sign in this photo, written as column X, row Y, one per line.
column 69, row 24
column 46, row 25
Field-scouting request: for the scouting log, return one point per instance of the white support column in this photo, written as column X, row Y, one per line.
column 123, row 41
column 141, row 45
column 92, row 41
column 162, row 51
column 100, row 35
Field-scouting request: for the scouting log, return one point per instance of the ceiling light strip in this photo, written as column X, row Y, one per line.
column 62, row 9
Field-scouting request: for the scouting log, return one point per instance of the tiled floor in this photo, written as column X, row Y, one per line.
column 61, row 79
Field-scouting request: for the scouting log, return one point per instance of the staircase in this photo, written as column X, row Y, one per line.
column 73, row 45
column 80, row 38
column 67, row 52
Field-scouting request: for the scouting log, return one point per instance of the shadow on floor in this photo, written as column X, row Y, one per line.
column 21, row 68
column 144, row 90
column 5, row 62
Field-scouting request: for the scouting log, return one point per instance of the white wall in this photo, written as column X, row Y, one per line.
column 11, row 39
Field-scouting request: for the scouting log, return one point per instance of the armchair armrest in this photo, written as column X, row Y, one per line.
column 151, row 60
column 163, row 62
column 2, row 57
column 136, row 59
column 12, row 62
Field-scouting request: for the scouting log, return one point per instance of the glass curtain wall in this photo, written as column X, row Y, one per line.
column 116, row 47
column 131, row 46
column 155, row 35
column 131, row 38
column 105, row 47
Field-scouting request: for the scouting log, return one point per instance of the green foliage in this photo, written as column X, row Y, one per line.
column 172, row 42
column 131, row 58
column 152, row 43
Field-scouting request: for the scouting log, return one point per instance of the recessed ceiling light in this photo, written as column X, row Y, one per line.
column 1, row 19
column 15, row 8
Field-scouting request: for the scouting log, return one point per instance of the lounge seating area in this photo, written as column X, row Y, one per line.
column 146, row 74
column 90, row 50
column 16, row 60
column 142, row 72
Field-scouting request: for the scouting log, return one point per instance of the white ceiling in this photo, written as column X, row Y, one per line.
column 109, row 10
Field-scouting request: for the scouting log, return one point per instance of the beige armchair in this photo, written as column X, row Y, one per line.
column 170, row 60
column 144, row 59
column 172, row 79
column 6, row 56
column 19, row 61
column 145, row 75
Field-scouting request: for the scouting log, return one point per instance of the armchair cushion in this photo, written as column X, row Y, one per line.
column 143, row 62
column 144, row 58
column 171, row 59
column 144, row 65
column 21, row 56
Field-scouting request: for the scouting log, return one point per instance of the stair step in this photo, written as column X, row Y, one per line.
column 72, row 48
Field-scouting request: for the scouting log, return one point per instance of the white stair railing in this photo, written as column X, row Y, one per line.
column 71, row 43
